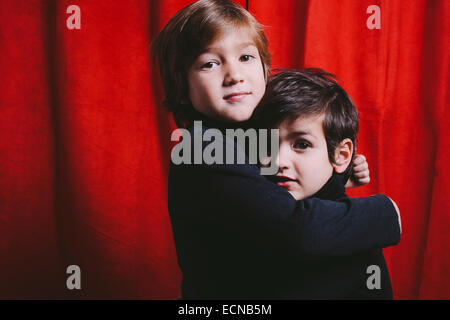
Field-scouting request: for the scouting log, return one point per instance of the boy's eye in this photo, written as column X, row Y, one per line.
column 246, row 57
column 301, row 145
column 209, row 65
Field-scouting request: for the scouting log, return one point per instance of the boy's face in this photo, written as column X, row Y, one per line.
column 226, row 82
column 303, row 162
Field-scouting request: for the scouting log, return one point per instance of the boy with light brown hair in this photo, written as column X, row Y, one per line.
column 229, row 222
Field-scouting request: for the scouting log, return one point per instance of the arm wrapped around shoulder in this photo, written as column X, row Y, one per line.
column 209, row 201
column 354, row 225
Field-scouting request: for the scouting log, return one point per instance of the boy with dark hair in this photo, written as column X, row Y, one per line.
column 318, row 124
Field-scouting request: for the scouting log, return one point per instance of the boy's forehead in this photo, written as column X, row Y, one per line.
column 303, row 125
column 217, row 46
column 239, row 37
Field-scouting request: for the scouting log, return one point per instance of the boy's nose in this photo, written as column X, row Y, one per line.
column 233, row 75
column 282, row 160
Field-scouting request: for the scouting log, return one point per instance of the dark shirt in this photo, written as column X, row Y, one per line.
column 234, row 229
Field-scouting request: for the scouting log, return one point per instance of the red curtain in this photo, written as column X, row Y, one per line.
column 84, row 143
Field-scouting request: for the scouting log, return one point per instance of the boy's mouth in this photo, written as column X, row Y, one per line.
column 283, row 181
column 236, row 96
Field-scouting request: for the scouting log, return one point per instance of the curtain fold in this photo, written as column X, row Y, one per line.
column 85, row 141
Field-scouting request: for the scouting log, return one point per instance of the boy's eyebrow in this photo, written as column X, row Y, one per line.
column 247, row 44
column 241, row 46
column 300, row 133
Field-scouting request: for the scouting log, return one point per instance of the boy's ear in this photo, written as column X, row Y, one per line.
column 343, row 155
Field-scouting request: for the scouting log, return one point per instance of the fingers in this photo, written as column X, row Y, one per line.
column 361, row 174
column 359, row 159
column 364, row 181
column 360, row 164
column 361, row 167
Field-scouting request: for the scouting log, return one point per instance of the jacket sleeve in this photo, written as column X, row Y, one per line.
column 236, row 194
column 221, row 194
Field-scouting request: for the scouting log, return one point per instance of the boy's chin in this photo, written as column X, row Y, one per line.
column 300, row 195
column 239, row 117
column 297, row 195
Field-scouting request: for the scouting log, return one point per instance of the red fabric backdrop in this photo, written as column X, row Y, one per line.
column 84, row 144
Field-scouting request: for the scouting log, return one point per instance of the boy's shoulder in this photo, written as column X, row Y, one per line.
column 201, row 144
column 333, row 189
column 204, row 149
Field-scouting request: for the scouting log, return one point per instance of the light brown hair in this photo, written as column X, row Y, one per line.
column 184, row 38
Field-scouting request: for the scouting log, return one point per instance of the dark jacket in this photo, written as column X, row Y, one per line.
column 234, row 229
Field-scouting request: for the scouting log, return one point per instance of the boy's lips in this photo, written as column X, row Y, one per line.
column 236, row 96
column 283, row 181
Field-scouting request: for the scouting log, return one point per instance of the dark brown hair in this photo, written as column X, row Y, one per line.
column 186, row 35
column 291, row 94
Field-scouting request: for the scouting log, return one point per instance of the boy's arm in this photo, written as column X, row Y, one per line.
column 228, row 194
column 361, row 177
column 231, row 194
